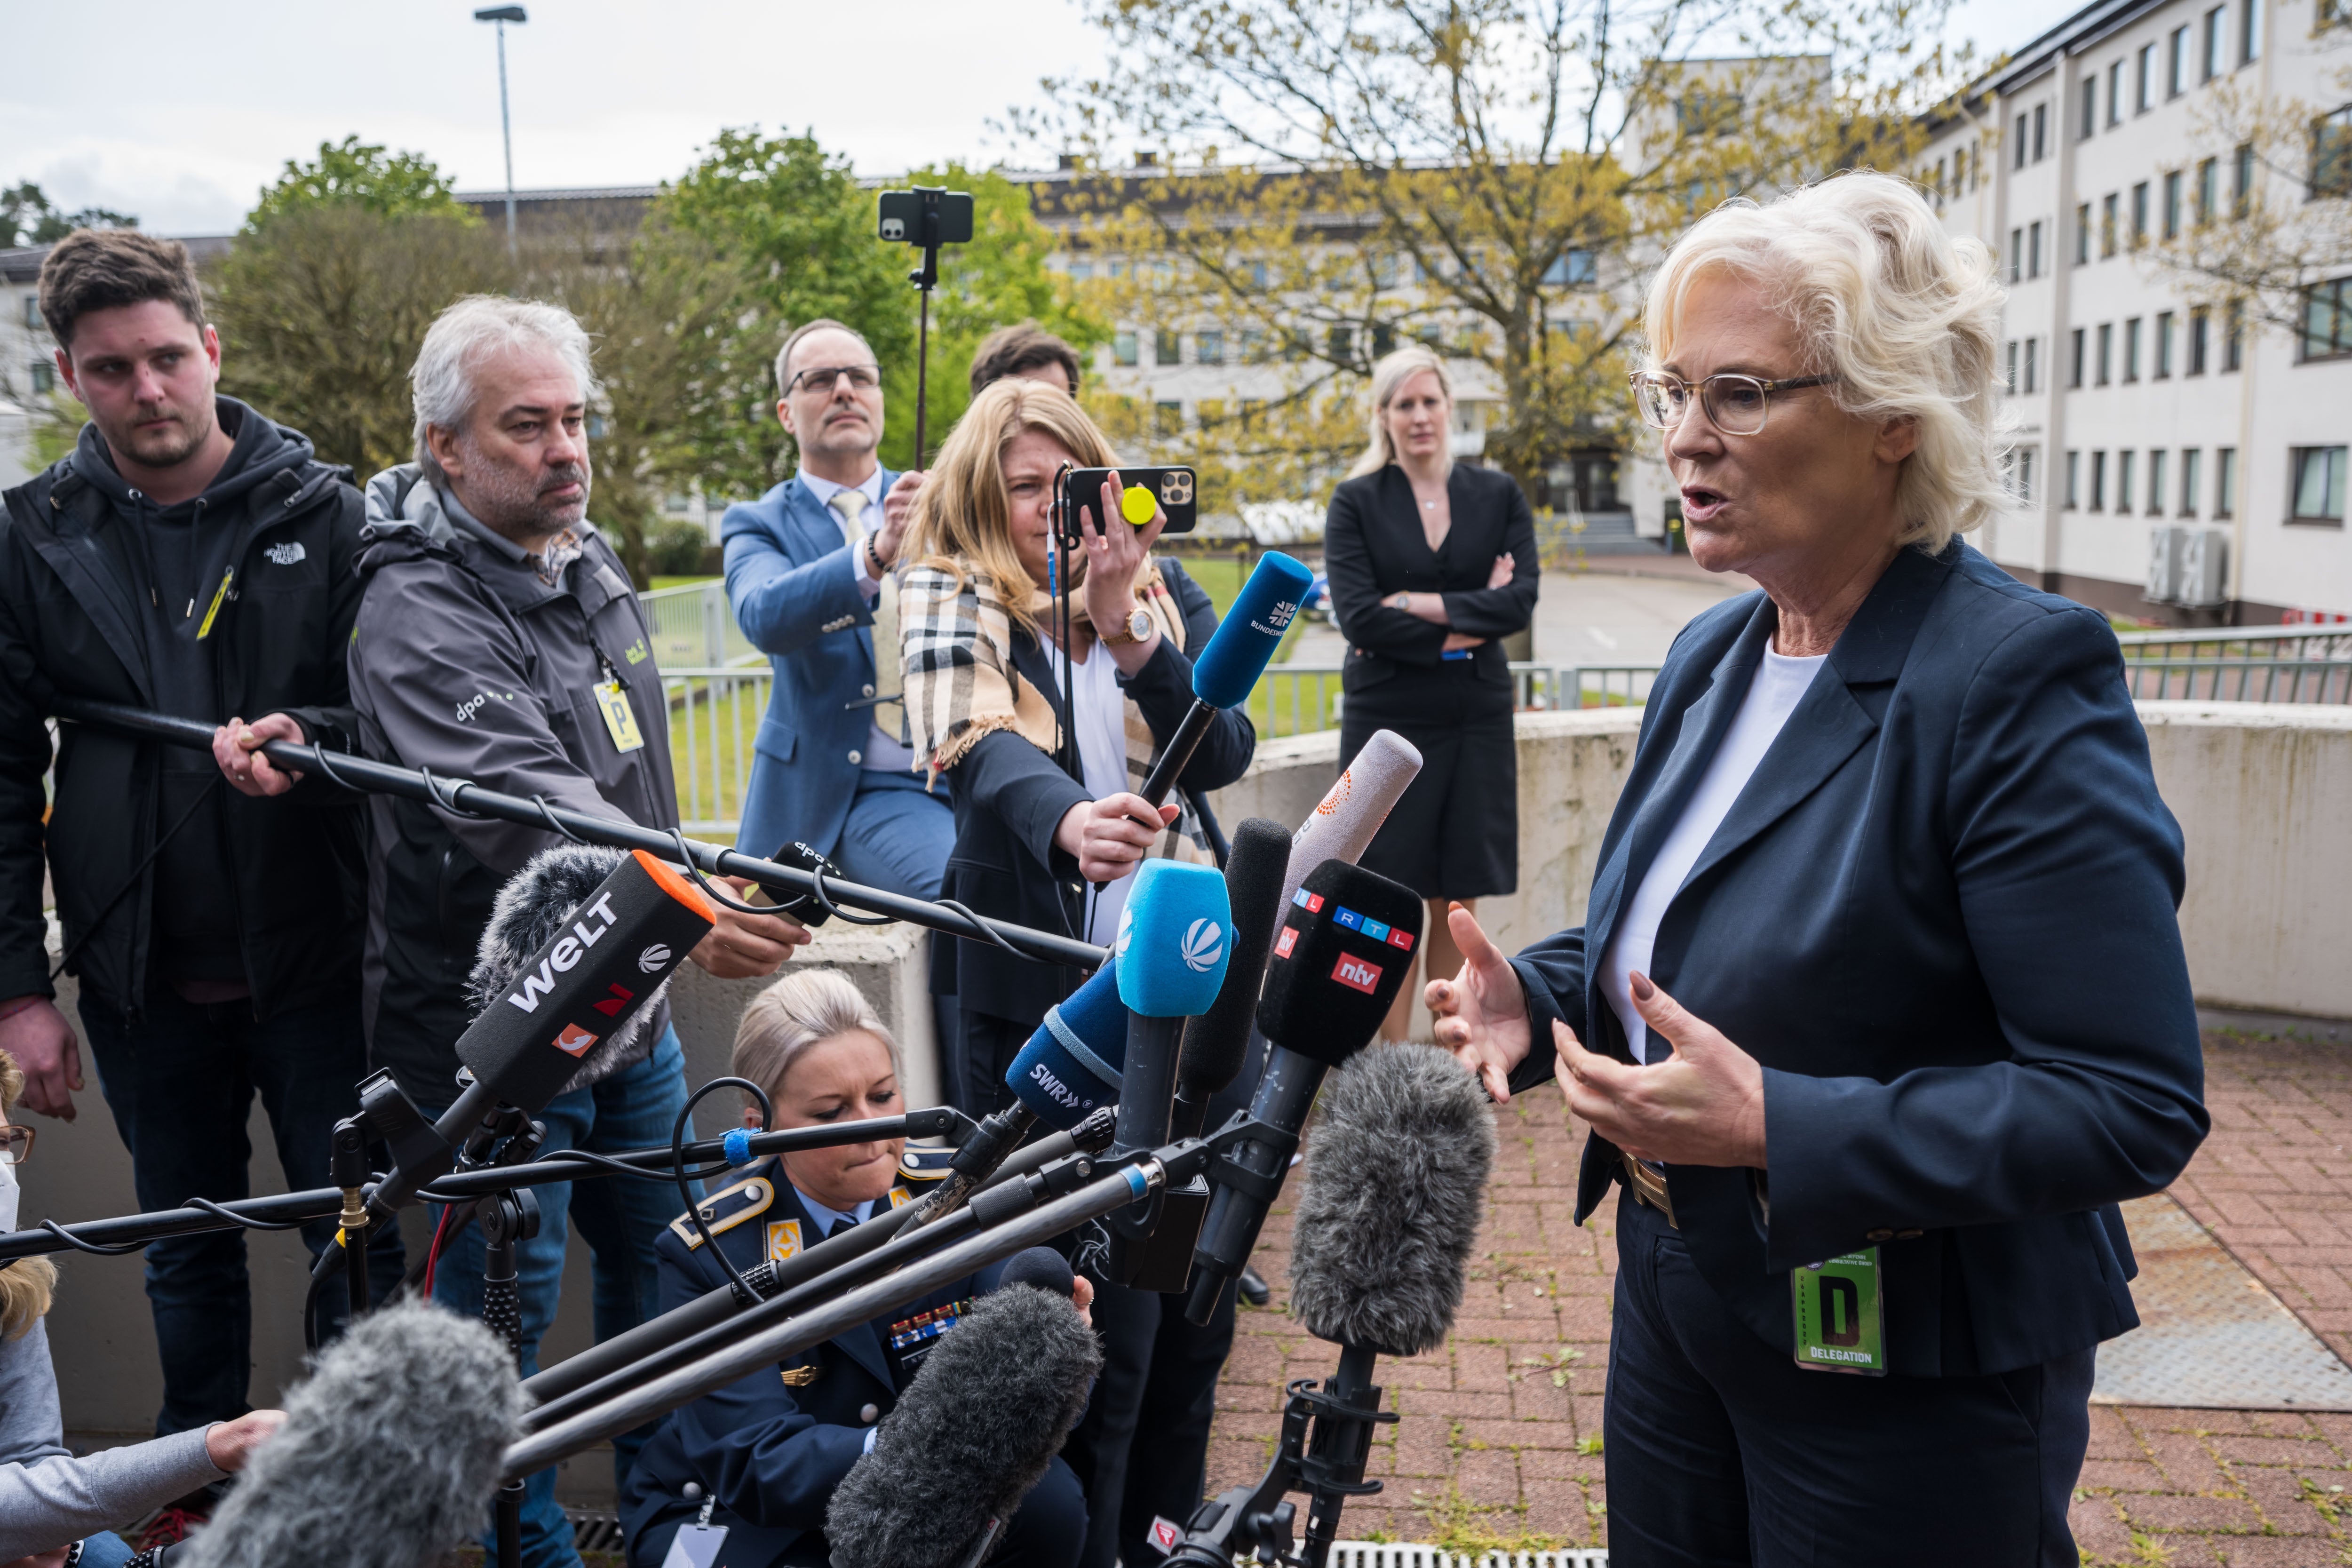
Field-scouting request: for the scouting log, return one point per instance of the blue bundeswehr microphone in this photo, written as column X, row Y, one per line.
column 1175, row 936
column 1071, row 1065
column 1246, row 639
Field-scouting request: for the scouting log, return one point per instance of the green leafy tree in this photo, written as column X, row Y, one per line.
column 797, row 234
column 324, row 298
column 1497, row 177
column 355, row 174
column 28, row 216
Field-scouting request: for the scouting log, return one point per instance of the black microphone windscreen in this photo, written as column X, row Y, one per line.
column 1216, row 1043
column 1041, row 1266
column 973, row 1433
column 388, row 1456
column 1396, row 1164
column 1347, row 943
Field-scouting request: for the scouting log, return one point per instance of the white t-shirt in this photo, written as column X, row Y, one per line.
column 1772, row 697
column 1100, row 720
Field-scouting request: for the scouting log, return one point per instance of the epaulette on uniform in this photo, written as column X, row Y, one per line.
column 921, row 1169
column 723, row 1211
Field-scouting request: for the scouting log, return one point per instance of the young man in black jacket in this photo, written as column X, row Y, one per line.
column 192, row 557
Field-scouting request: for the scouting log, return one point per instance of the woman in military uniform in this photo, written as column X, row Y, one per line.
column 763, row 1453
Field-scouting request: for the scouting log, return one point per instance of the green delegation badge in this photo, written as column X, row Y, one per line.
column 1840, row 1325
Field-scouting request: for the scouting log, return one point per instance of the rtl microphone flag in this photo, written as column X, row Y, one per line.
column 1071, row 1066
column 1346, row 943
column 1175, row 938
column 1252, row 629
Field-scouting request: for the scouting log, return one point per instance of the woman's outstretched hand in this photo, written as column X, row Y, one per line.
column 1110, row 836
column 1703, row 1105
column 1482, row 1013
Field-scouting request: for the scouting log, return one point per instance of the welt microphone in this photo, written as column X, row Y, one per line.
column 1345, row 945
column 1228, row 668
column 579, row 943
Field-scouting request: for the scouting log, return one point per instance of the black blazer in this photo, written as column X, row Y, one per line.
column 1010, row 797
column 1942, row 916
column 1373, row 546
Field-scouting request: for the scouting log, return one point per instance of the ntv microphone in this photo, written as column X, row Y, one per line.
column 1175, row 943
column 1345, row 948
column 1229, row 666
column 568, row 972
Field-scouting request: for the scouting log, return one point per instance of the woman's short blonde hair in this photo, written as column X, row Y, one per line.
column 28, row 1285
column 1392, row 373
column 964, row 516
column 1905, row 314
column 799, row 1012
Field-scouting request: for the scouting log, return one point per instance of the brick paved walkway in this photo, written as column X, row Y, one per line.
column 1500, row 1441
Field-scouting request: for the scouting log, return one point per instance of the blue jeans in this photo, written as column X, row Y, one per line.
column 105, row 1550
column 897, row 837
column 181, row 1081
column 620, row 1218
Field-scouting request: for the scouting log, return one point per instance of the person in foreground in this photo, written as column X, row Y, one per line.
column 765, row 1453
column 49, row 1498
column 1880, row 999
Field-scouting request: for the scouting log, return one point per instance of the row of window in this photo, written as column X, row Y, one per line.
column 1252, row 345
column 2191, row 492
column 2094, row 348
column 2206, row 45
column 2315, row 482
column 1572, row 269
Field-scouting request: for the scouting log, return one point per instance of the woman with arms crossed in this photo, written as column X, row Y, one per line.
column 1880, row 1000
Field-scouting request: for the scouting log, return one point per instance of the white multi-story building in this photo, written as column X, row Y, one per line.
column 2137, row 410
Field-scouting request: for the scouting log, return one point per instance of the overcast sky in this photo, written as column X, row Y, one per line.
column 179, row 113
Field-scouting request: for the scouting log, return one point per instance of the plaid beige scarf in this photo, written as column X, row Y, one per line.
column 957, row 643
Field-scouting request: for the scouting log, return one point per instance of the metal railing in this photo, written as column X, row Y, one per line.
column 694, row 626
column 2240, row 664
column 1298, row 698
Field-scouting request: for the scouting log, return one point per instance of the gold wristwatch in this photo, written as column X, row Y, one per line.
column 1138, row 629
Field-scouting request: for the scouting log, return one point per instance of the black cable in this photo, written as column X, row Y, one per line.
column 694, row 874
column 92, row 1248
column 825, row 899
column 985, row 929
column 744, row 1295
column 553, row 823
column 131, row 881
column 210, row 1207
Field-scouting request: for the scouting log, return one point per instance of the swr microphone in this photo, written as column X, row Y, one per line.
column 389, row 1454
column 1344, row 821
column 593, row 955
column 1228, row 668
column 971, row 1436
column 1217, row 1042
column 1345, row 945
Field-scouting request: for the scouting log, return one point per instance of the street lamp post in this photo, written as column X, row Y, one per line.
column 502, row 14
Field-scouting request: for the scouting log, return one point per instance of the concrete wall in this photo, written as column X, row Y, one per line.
column 2263, row 794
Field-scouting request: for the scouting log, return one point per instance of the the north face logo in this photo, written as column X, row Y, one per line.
column 287, row 555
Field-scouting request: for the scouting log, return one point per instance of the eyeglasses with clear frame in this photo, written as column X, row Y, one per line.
column 863, row 377
column 15, row 1145
column 1736, row 403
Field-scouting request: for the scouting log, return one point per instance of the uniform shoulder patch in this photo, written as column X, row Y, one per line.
column 921, row 1164
column 723, row 1211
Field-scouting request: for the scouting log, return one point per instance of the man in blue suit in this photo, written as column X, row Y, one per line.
column 808, row 573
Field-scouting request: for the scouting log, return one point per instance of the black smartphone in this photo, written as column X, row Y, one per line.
column 906, row 215
column 1080, row 491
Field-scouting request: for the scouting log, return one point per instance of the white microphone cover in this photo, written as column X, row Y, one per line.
column 388, row 1456
column 1396, row 1184
column 1352, row 810
column 973, row 1433
column 531, row 905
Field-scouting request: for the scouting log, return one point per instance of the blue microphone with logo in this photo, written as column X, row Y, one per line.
column 1071, row 1066
column 1175, row 937
column 1228, row 668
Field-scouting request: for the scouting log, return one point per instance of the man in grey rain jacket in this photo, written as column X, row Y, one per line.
column 492, row 612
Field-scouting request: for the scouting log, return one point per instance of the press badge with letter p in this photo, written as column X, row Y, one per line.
column 613, row 701
column 1840, row 1327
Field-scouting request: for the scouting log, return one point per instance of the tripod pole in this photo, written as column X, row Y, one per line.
column 923, row 355
column 506, row 1219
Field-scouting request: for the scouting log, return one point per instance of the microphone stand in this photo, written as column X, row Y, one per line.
column 1327, row 1439
column 463, row 797
column 507, row 1219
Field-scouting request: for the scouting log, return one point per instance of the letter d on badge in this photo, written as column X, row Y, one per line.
column 1839, row 1322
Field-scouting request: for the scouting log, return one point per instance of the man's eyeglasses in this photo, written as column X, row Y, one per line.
column 863, row 377
column 15, row 1145
column 1736, row 403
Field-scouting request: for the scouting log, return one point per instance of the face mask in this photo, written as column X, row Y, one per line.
column 8, row 1193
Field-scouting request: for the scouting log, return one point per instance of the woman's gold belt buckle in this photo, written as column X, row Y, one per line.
column 1648, row 1186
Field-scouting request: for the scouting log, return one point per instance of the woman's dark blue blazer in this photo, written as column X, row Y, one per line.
column 1942, row 916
